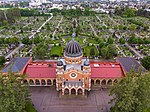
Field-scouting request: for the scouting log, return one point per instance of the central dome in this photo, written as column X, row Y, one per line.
column 73, row 49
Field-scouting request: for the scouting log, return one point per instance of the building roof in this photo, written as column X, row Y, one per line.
column 129, row 63
column 39, row 70
column 73, row 49
column 106, row 70
column 16, row 65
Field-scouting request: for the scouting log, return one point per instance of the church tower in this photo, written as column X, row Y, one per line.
column 73, row 71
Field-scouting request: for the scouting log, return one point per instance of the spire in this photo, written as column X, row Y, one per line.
column 73, row 34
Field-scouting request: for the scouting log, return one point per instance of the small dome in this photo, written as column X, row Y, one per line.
column 86, row 63
column 73, row 49
column 59, row 63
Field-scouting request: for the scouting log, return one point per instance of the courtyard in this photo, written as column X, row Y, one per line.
column 46, row 99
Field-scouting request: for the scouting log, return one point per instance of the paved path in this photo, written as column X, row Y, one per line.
column 101, row 21
column 92, row 28
column 14, row 51
column 132, row 49
column 120, row 51
column 112, row 20
column 46, row 99
column 57, row 27
column 38, row 30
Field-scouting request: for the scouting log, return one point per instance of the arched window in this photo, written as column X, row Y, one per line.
column 104, row 82
column 92, row 81
column 49, row 82
column 43, row 82
column 80, row 91
column 37, row 82
column 115, row 81
column 109, row 82
column 98, row 82
column 25, row 81
column 73, row 91
column 31, row 82
column 66, row 91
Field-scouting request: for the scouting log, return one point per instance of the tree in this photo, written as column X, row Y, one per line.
column 122, row 41
column 129, row 12
column 104, row 52
column 132, row 27
column 13, row 93
column 40, row 50
column 92, row 52
column 25, row 40
column 133, row 40
column 146, row 62
column 110, row 40
column 2, row 60
column 111, row 51
column 108, row 52
column 131, row 93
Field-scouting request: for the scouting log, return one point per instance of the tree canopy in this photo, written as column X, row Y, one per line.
column 13, row 94
column 131, row 93
column 2, row 60
column 146, row 62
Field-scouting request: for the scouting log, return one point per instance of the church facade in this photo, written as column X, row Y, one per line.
column 73, row 73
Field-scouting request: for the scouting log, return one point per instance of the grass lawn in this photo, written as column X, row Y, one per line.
column 56, row 51
column 67, row 39
column 80, row 40
column 87, row 50
column 93, row 41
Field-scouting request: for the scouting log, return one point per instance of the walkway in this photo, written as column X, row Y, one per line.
column 38, row 30
column 101, row 21
column 57, row 27
column 14, row 51
column 132, row 49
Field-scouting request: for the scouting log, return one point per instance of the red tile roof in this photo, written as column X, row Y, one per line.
column 98, row 70
column 106, row 70
column 38, row 70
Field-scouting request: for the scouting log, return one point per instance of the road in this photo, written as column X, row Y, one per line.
column 120, row 50
column 13, row 52
column 38, row 30
column 131, row 48
column 57, row 27
column 101, row 21
column 92, row 28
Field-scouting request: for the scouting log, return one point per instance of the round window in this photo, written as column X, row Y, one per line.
column 73, row 75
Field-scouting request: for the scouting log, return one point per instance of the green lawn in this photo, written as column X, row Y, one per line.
column 87, row 50
column 56, row 51
column 80, row 40
column 91, row 40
